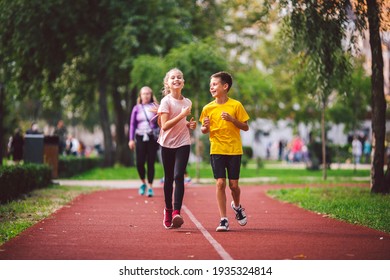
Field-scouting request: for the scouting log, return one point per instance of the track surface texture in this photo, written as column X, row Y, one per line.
column 118, row 224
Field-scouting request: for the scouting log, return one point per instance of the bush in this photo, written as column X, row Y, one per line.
column 248, row 151
column 17, row 180
column 69, row 166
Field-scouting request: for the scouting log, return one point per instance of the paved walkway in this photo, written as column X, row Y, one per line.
column 118, row 224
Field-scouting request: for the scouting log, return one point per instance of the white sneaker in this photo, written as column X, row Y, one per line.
column 240, row 214
column 223, row 225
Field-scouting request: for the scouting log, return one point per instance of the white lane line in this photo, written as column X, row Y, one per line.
column 220, row 250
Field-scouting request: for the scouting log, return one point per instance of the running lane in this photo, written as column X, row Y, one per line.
column 120, row 224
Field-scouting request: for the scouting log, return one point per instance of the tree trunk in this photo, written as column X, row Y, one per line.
column 122, row 148
column 378, row 101
column 2, row 114
column 323, row 140
column 105, row 123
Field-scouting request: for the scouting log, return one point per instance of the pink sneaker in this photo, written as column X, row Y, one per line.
column 167, row 222
column 177, row 220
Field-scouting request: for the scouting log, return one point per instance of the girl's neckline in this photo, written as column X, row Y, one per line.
column 180, row 97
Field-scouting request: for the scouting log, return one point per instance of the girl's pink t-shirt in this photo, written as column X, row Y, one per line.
column 178, row 135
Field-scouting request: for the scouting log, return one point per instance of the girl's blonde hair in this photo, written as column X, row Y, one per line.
column 153, row 99
column 166, row 90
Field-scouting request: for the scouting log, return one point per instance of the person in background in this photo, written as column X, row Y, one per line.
column 367, row 150
column 16, row 146
column 141, row 138
column 356, row 150
column 61, row 132
column 34, row 129
column 72, row 146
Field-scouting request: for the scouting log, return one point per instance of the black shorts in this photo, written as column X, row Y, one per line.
column 223, row 163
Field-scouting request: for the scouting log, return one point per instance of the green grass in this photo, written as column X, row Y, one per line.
column 351, row 204
column 279, row 175
column 18, row 215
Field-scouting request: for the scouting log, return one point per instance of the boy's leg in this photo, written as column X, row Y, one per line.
column 221, row 196
column 233, row 170
column 235, row 191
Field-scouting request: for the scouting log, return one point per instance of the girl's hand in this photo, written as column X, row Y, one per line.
column 186, row 111
column 191, row 124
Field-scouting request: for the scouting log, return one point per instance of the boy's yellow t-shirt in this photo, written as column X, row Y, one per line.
column 225, row 137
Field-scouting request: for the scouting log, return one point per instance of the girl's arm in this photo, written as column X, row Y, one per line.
column 167, row 124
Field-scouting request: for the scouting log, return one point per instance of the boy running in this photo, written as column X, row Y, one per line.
column 224, row 118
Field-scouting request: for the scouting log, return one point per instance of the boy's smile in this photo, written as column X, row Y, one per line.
column 216, row 87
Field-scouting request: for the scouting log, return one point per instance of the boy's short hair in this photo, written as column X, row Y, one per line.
column 225, row 77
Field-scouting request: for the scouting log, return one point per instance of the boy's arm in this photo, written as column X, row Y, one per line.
column 241, row 125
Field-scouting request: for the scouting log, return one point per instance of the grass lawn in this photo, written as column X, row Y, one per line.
column 20, row 214
column 355, row 205
column 279, row 175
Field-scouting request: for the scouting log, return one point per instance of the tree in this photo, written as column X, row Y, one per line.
column 371, row 11
column 317, row 31
column 41, row 38
column 338, row 14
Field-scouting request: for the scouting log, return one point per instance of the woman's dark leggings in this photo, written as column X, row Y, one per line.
column 175, row 163
column 146, row 152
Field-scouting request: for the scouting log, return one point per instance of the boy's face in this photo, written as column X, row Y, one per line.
column 217, row 89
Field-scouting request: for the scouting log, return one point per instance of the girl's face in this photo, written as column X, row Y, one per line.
column 146, row 95
column 175, row 80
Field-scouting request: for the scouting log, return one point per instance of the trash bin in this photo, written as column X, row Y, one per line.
column 42, row 149
column 50, row 153
column 33, row 148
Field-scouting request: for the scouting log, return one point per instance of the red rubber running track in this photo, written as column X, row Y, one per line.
column 118, row 224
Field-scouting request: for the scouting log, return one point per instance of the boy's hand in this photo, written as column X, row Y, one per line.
column 225, row 116
column 206, row 125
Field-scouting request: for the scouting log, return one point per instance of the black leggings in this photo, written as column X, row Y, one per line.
column 175, row 163
column 146, row 152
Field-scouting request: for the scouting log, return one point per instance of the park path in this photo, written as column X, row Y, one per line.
column 118, row 224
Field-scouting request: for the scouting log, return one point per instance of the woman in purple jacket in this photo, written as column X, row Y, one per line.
column 143, row 122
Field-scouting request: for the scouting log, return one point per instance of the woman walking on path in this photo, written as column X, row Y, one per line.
column 175, row 144
column 141, row 138
column 223, row 119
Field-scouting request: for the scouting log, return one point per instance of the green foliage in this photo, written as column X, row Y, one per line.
column 289, row 175
column 198, row 61
column 17, row 180
column 248, row 151
column 148, row 71
column 69, row 165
